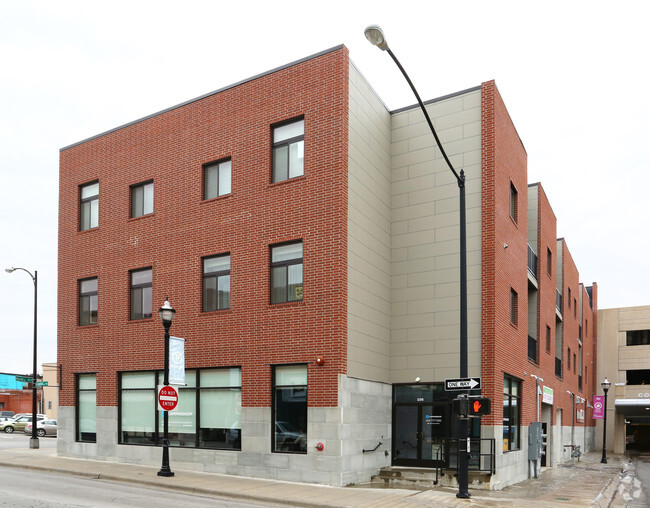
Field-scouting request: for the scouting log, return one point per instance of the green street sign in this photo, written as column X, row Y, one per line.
column 41, row 383
column 24, row 379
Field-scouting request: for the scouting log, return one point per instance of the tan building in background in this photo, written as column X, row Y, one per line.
column 50, row 390
column 624, row 358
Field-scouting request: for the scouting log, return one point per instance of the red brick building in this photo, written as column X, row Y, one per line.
column 308, row 240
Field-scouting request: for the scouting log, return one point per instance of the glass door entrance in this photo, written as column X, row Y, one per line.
column 420, row 426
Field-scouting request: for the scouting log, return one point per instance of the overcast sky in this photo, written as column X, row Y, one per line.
column 573, row 75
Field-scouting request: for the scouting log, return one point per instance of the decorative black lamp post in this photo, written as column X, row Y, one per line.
column 376, row 37
column 33, row 442
column 605, row 384
column 166, row 313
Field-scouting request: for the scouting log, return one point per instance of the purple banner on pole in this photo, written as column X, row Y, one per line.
column 599, row 407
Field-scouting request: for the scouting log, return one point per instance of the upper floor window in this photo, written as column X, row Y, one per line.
column 637, row 338
column 216, row 283
column 549, row 261
column 216, row 179
column 88, row 301
column 141, row 289
column 514, row 205
column 514, row 307
column 286, row 272
column 89, row 206
column 288, row 150
column 141, row 199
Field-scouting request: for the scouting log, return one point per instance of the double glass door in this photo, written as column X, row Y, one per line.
column 420, row 427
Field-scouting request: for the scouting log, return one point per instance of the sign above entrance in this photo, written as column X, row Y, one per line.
column 468, row 383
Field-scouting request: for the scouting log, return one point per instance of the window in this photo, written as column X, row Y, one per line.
column 574, row 363
column 220, row 408
column 89, row 206
column 141, row 289
column 569, row 299
column 568, row 359
column 548, row 339
column 575, row 308
column 511, row 413
column 208, row 414
column 290, row 409
column 532, row 349
column 141, row 199
column 216, row 283
column 288, row 150
column 88, row 302
column 637, row 338
column 514, row 205
column 216, row 179
column 87, row 408
column 137, row 408
column 286, row 273
column 549, row 261
column 514, row 307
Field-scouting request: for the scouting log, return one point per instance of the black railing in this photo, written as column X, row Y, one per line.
column 481, row 455
column 532, row 349
column 532, row 262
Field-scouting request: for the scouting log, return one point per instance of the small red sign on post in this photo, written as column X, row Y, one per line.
column 167, row 398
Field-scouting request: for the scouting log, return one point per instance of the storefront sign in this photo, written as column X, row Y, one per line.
column 599, row 407
column 547, row 395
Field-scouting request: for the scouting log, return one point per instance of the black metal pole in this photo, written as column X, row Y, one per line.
column 604, row 459
column 165, row 469
column 463, row 457
column 463, row 428
column 33, row 442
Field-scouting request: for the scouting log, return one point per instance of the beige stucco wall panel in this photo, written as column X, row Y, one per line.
column 634, row 357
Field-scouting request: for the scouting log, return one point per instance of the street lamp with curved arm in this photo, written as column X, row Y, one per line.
column 376, row 37
column 33, row 442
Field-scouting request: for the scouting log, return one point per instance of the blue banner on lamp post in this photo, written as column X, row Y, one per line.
column 176, row 361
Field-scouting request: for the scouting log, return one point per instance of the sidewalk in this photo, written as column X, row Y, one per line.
column 584, row 483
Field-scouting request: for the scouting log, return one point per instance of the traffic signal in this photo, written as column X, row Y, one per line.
column 479, row 406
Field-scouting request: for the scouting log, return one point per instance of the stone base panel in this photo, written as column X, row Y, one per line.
column 361, row 420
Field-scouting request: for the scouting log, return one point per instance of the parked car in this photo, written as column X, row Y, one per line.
column 6, row 415
column 39, row 416
column 43, row 428
column 18, row 423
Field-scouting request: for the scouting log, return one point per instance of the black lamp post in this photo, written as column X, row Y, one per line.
column 376, row 37
column 166, row 313
column 33, row 442
column 605, row 384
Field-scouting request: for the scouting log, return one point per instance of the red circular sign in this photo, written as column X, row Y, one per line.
column 168, row 398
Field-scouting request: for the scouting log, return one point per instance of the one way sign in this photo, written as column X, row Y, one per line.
column 469, row 383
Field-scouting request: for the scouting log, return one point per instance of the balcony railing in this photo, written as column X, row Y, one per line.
column 558, row 300
column 532, row 262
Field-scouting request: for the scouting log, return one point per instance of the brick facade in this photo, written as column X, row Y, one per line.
column 170, row 149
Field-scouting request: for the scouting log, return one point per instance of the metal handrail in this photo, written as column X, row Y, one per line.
column 480, row 462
